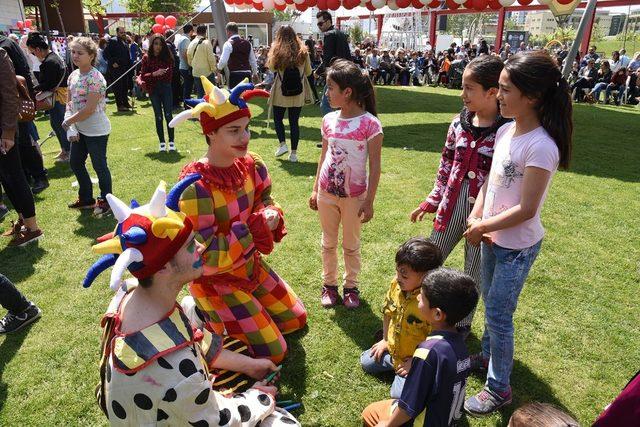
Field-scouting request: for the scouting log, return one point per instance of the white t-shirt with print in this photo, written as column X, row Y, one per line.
column 344, row 170
column 510, row 158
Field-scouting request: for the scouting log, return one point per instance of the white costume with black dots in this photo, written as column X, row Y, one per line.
column 159, row 376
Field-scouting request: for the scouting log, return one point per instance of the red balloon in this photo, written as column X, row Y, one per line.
column 20, row 25
column 452, row 5
column 527, row 2
column 564, row 1
column 417, row 4
column 157, row 28
column 494, row 5
column 322, row 4
column 27, row 23
column 171, row 21
column 403, row 3
column 480, row 5
column 350, row 4
column 333, row 4
column 468, row 4
column 288, row 1
column 159, row 19
column 371, row 7
column 311, row 3
column 434, row 4
column 258, row 6
column 302, row 7
column 280, row 7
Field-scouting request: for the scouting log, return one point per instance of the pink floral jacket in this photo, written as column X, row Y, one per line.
column 467, row 153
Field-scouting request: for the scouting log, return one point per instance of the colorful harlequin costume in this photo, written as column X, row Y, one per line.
column 160, row 375
column 242, row 296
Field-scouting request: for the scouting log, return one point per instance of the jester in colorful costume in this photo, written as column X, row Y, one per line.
column 155, row 366
column 235, row 217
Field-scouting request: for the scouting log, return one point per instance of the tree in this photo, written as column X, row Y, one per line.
column 286, row 15
column 597, row 33
column 173, row 5
column 564, row 34
column 356, row 35
column 94, row 7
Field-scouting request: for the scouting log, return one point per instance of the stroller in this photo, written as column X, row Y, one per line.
column 455, row 74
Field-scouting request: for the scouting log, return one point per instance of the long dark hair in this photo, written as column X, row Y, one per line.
column 165, row 53
column 485, row 70
column 347, row 75
column 538, row 77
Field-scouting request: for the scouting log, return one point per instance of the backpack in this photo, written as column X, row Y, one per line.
column 291, row 82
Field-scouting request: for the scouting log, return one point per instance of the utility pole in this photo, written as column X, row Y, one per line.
column 220, row 19
column 584, row 21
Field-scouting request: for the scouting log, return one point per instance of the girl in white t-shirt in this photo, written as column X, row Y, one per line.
column 506, row 216
column 342, row 192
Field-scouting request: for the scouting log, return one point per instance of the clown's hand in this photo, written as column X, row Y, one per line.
column 273, row 218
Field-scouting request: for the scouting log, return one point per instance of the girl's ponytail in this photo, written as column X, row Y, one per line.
column 538, row 77
column 346, row 74
column 367, row 95
column 555, row 112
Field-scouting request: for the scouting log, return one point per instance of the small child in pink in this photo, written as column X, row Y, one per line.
column 342, row 192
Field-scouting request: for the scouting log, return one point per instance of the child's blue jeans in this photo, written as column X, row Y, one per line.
column 504, row 272
column 370, row 366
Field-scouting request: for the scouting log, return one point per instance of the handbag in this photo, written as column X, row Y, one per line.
column 26, row 107
column 45, row 100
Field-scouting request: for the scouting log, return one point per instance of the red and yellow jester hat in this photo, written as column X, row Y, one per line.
column 146, row 237
column 220, row 107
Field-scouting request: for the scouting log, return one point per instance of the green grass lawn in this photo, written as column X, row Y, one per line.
column 576, row 326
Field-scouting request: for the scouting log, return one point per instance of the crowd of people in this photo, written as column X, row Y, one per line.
column 213, row 228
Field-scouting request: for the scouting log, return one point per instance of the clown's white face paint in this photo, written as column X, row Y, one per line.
column 229, row 142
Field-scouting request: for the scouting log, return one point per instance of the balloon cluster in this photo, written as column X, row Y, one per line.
column 164, row 23
column 24, row 25
column 302, row 5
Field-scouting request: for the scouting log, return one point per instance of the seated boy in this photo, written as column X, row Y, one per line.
column 403, row 326
column 155, row 366
column 433, row 393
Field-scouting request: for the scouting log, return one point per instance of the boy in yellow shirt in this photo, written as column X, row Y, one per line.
column 404, row 325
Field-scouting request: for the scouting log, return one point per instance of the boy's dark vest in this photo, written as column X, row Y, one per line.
column 239, row 58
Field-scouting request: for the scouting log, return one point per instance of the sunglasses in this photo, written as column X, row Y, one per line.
column 321, row 23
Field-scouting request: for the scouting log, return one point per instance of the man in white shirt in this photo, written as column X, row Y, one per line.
column 238, row 56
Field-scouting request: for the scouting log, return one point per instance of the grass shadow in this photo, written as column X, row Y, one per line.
column 295, row 363
column 361, row 331
column 93, row 227
column 167, row 157
column 59, row 170
column 298, row 168
column 19, row 263
column 8, row 349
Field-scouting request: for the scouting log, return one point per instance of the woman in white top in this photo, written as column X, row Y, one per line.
column 88, row 126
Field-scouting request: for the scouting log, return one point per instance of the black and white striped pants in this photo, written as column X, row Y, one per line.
column 447, row 240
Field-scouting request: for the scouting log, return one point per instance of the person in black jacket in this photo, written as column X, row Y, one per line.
column 119, row 61
column 53, row 78
column 27, row 134
column 335, row 46
column 586, row 80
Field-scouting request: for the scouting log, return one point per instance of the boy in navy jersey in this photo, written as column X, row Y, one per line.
column 433, row 393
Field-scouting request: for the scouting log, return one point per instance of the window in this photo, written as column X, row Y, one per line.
column 259, row 32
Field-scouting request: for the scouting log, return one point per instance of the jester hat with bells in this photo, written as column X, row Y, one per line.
column 219, row 107
column 146, row 237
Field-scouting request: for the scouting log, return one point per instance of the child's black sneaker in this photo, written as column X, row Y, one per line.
column 15, row 322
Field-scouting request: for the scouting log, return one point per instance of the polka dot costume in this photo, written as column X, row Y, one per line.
column 159, row 376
